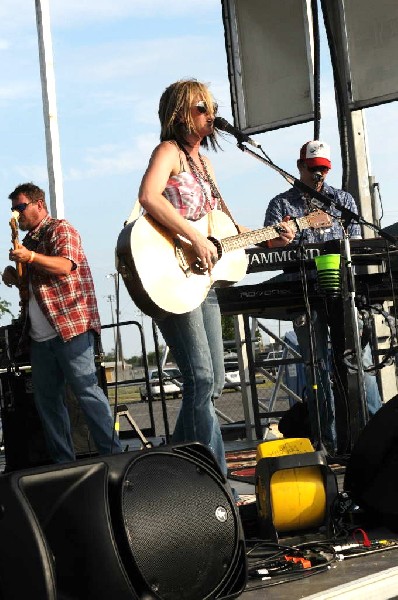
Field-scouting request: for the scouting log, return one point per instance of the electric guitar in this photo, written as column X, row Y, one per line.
column 20, row 267
column 161, row 271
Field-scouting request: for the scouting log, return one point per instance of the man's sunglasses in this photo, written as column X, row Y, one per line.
column 202, row 107
column 21, row 207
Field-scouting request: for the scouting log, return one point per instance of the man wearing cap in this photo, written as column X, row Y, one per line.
column 313, row 165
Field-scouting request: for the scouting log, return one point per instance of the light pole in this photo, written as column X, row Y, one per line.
column 117, row 336
column 110, row 300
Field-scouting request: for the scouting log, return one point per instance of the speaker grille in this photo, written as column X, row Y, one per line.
column 181, row 526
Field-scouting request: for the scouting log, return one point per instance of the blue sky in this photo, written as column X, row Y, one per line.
column 113, row 59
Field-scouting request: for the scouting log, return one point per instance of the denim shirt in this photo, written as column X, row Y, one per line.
column 293, row 203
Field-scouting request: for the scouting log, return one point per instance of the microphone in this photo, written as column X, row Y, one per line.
column 223, row 125
column 317, row 177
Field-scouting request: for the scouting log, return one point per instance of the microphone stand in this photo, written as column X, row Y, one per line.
column 363, row 415
column 320, row 200
column 317, row 432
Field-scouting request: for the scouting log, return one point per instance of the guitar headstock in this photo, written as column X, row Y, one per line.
column 14, row 225
column 318, row 219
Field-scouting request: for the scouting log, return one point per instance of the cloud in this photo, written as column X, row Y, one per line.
column 36, row 173
column 109, row 160
column 106, row 62
column 68, row 13
column 17, row 90
column 17, row 14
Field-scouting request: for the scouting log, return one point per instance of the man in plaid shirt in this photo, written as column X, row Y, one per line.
column 63, row 320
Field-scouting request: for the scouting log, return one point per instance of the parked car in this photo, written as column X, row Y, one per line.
column 232, row 376
column 171, row 388
column 232, row 379
column 274, row 355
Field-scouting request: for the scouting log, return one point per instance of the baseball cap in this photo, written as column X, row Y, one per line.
column 316, row 154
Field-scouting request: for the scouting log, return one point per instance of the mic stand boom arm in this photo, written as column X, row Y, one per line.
column 346, row 214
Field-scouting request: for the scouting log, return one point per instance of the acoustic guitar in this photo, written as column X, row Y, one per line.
column 161, row 271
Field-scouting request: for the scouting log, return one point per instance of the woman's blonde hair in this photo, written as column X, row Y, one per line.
column 175, row 111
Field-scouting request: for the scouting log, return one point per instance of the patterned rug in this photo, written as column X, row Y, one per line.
column 241, row 465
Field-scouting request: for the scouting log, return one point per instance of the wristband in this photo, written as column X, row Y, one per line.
column 32, row 256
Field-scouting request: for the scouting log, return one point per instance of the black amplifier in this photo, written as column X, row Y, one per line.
column 23, row 437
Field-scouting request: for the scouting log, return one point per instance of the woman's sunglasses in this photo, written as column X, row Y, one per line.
column 202, row 107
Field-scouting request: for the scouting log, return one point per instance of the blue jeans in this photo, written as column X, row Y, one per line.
column 372, row 390
column 324, row 368
column 195, row 340
column 55, row 363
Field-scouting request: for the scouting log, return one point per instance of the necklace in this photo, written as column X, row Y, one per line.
column 205, row 177
column 208, row 178
column 202, row 178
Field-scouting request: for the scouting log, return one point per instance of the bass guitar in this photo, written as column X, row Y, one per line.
column 161, row 271
column 20, row 267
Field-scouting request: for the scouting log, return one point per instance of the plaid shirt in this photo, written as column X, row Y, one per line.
column 293, row 203
column 67, row 301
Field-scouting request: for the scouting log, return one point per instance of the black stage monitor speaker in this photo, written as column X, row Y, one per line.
column 371, row 475
column 159, row 523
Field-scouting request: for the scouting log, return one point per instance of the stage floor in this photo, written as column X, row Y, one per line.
column 372, row 576
column 369, row 577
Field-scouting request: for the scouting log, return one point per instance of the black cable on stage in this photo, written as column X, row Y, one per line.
column 275, row 569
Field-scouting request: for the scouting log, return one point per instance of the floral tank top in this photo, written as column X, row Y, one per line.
column 186, row 195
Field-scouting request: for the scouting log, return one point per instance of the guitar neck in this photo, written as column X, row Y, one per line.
column 243, row 240
column 21, row 269
column 19, row 266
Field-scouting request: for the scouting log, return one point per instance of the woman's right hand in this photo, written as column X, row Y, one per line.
column 205, row 251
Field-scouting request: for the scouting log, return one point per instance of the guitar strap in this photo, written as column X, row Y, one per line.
column 225, row 210
column 135, row 213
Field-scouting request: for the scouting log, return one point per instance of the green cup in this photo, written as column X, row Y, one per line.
column 327, row 262
column 328, row 271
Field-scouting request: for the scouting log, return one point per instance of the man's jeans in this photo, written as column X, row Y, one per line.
column 325, row 393
column 195, row 340
column 323, row 371
column 55, row 363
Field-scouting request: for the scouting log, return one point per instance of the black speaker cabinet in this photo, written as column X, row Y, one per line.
column 23, row 437
column 371, row 475
column 24, row 440
column 159, row 523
